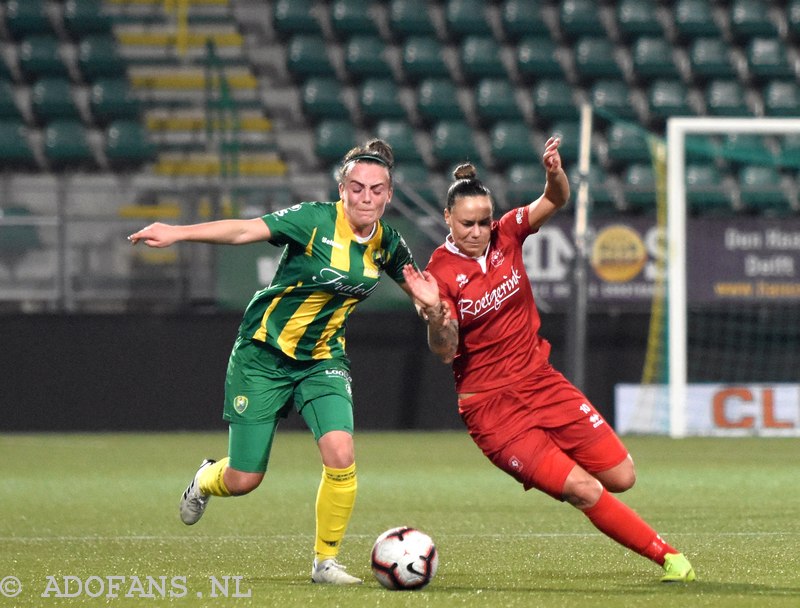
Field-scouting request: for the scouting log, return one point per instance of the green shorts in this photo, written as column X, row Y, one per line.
column 262, row 386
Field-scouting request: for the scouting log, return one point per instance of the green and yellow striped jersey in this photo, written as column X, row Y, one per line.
column 323, row 273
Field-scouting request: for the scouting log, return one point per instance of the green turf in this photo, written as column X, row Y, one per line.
column 106, row 505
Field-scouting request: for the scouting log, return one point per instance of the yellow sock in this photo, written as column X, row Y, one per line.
column 335, row 500
column 211, row 479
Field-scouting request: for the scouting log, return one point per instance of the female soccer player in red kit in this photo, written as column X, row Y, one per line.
column 526, row 417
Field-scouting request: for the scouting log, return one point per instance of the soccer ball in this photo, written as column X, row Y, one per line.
column 404, row 558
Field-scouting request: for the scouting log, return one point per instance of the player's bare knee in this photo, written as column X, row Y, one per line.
column 240, row 482
column 581, row 490
column 622, row 483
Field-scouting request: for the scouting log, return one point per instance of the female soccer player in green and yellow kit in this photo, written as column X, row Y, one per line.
column 290, row 350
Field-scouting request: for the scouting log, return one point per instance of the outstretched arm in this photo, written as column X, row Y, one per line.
column 556, row 188
column 228, row 232
column 442, row 328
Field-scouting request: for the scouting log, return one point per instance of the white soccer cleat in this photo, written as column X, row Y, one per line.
column 193, row 502
column 332, row 572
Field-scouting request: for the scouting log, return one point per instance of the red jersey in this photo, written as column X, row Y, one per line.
column 492, row 299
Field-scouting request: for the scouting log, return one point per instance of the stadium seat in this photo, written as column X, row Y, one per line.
column 761, row 192
column 580, row 18
column 552, row 100
column 27, row 18
column 365, row 56
column 694, row 19
column 767, row 58
column 726, row 97
column 594, row 59
column 710, row 58
column 524, row 181
column 307, row 55
column 66, row 146
column 627, row 143
column 423, row 57
column 793, row 19
column 612, row 100
column 789, row 153
column 39, row 57
column 744, row 148
column 333, row 138
column 480, row 58
column 83, row 17
column 701, row 148
column 437, row 98
column 410, row 18
column 511, row 142
column 570, row 134
column 637, row 18
column 652, row 58
column 127, row 145
column 51, row 98
column 601, row 196
column 705, row 190
column 15, row 150
column 750, row 19
column 537, row 58
column 414, row 176
column 8, row 105
column 291, row 17
column 400, row 135
column 380, row 98
column 522, row 18
column 349, row 17
column 668, row 98
column 495, row 100
column 453, row 142
column 323, row 98
column 782, row 98
column 111, row 99
column 466, row 18
column 639, row 187
column 99, row 57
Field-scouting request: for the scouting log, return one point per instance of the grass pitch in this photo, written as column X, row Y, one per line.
column 79, row 510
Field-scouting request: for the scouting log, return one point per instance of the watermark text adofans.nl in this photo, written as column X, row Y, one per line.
column 126, row 586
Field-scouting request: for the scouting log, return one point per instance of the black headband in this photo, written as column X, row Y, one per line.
column 369, row 156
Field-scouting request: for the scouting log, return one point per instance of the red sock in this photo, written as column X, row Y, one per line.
column 619, row 522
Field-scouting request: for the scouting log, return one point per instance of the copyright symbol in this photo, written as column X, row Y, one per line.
column 10, row 586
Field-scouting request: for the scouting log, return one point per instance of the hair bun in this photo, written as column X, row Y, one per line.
column 465, row 171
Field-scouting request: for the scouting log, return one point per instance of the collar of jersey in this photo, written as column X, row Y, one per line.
column 453, row 248
column 345, row 225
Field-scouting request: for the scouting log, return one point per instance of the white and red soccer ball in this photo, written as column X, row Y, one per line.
column 404, row 558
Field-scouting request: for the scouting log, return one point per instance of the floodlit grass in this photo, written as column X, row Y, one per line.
column 105, row 505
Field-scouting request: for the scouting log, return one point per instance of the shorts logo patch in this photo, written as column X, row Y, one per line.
column 515, row 463
column 344, row 376
column 240, row 403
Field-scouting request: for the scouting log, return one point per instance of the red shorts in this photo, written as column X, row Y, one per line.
column 538, row 429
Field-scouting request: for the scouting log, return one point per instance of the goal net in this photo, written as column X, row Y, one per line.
column 723, row 354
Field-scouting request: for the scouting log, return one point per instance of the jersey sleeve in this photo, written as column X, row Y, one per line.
column 292, row 224
column 516, row 223
column 399, row 254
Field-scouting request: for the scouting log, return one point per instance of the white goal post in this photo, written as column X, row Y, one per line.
column 677, row 130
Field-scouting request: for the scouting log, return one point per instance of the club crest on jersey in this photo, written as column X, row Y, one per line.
column 496, row 258
column 515, row 463
column 240, row 403
column 461, row 279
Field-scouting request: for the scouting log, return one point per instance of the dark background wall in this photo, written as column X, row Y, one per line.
column 166, row 372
